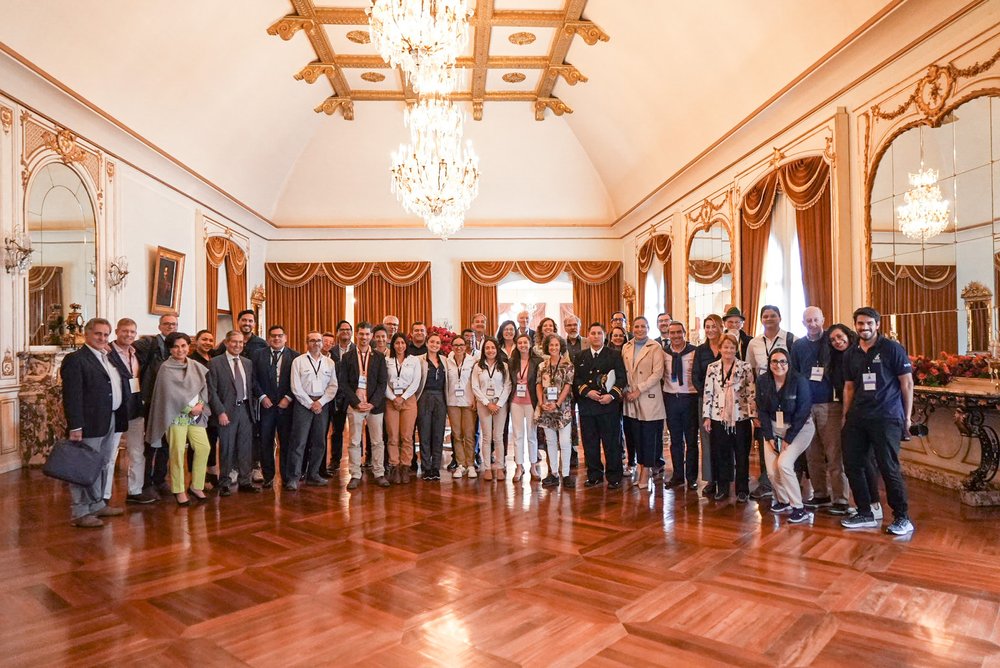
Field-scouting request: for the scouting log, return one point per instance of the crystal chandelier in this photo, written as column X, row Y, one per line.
column 445, row 225
column 924, row 214
column 421, row 37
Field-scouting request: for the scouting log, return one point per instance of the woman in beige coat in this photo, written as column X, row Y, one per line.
column 643, row 406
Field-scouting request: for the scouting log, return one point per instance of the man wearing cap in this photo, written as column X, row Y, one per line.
column 734, row 321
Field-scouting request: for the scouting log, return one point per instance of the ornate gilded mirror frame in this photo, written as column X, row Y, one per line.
column 708, row 214
column 979, row 317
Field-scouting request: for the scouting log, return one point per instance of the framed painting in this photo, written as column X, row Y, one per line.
column 168, row 276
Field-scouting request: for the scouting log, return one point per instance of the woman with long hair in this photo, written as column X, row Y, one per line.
column 554, row 391
column 400, row 407
column 491, row 387
column 523, row 371
column 728, row 406
column 179, row 409
column 431, row 407
column 784, row 405
column 505, row 337
column 705, row 354
column 546, row 328
column 461, row 408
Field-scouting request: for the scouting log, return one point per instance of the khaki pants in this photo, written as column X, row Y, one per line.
column 356, row 420
column 825, row 455
column 463, row 434
column 491, row 428
column 781, row 466
column 399, row 430
column 178, row 436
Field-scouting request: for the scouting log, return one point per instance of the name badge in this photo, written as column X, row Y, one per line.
column 779, row 419
column 551, row 393
column 522, row 390
column 490, row 392
column 816, row 374
column 398, row 387
column 133, row 385
column 318, row 388
column 869, row 381
column 362, row 382
column 459, row 392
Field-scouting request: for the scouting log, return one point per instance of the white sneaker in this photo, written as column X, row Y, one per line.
column 472, row 472
column 258, row 475
column 877, row 511
column 458, row 472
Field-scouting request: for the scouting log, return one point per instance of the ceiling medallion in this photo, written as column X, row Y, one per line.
column 522, row 38
column 514, row 77
column 359, row 37
column 373, row 77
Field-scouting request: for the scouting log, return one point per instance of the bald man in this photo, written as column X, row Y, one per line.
column 811, row 358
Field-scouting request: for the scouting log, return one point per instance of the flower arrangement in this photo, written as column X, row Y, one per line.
column 447, row 336
column 967, row 366
column 932, row 373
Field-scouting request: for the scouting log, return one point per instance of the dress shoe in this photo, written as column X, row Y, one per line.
column 163, row 488
column 550, row 481
column 197, row 494
column 225, row 491
column 251, row 489
column 404, row 475
column 267, row 484
column 381, row 481
column 721, row 492
column 292, row 486
column 142, row 498
column 709, row 489
column 693, row 484
column 87, row 522
column 615, row 485
column 354, row 483
column 673, row 482
column 109, row 511
column 316, row 482
column 593, row 483
column 331, row 472
column 182, row 502
column 569, row 482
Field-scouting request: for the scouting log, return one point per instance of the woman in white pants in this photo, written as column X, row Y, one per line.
column 555, row 410
column 784, row 404
column 523, row 370
column 491, row 387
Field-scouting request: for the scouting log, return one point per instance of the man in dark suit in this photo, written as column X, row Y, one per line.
column 338, row 407
column 618, row 319
column 362, row 377
column 95, row 393
column 272, row 370
column 600, row 399
column 232, row 392
column 152, row 350
column 734, row 321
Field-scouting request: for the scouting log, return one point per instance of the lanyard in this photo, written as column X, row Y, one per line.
column 398, row 366
column 522, row 375
column 767, row 351
column 727, row 376
column 363, row 362
column 319, row 365
column 490, row 372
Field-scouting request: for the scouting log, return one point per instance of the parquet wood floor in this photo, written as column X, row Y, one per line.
column 481, row 573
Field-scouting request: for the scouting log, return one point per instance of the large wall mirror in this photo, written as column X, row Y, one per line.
column 59, row 216
column 710, row 271
column 919, row 284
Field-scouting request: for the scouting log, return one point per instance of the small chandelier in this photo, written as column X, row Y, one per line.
column 421, row 37
column 17, row 252
column 924, row 214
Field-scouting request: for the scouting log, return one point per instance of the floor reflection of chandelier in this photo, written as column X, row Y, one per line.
column 421, row 37
column 924, row 214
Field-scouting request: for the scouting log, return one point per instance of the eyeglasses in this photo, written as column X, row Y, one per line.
column 314, row 340
column 779, row 362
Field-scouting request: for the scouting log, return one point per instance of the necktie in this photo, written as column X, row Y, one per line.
column 241, row 386
column 275, row 356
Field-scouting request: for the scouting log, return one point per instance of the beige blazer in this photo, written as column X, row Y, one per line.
column 645, row 371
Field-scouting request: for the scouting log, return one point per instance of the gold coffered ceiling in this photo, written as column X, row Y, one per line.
column 515, row 54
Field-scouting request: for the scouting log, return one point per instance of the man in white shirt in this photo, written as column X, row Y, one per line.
column 314, row 386
column 478, row 333
column 125, row 333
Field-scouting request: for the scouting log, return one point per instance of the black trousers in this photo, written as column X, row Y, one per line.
column 731, row 454
column 647, row 438
column 431, row 414
column 338, row 418
column 308, row 432
column 156, row 463
column 682, row 423
column 275, row 421
column 602, row 431
column 628, row 443
column 862, row 437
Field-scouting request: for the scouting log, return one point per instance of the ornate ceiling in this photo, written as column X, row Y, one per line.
column 515, row 54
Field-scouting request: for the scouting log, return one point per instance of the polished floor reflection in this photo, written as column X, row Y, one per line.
column 471, row 572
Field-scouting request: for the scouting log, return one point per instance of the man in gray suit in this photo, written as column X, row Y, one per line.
column 231, row 393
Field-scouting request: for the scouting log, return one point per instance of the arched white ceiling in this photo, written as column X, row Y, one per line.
column 204, row 82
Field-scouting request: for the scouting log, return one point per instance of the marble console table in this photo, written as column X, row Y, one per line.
column 940, row 454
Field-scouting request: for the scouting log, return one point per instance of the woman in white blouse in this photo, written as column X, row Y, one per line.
column 491, row 387
column 461, row 408
column 401, row 408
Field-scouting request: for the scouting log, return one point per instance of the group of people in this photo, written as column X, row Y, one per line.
column 831, row 406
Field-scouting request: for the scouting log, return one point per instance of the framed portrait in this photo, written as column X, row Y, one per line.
column 168, row 276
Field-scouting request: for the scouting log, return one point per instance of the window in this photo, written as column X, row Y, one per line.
column 783, row 268
column 655, row 296
column 515, row 293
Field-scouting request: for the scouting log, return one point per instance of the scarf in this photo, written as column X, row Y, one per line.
column 677, row 368
column 176, row 384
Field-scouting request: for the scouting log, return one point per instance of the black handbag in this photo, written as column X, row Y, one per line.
column 73, row 462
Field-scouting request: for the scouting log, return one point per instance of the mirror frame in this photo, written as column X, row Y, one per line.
column 707, row 216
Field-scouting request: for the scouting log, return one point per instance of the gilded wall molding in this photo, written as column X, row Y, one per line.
column 557, row 106
column 589, row 31
column 6, row 119
column 569, row 73
column 287, row 27
column 332, row 104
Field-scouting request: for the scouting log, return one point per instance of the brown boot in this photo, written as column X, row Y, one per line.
column 404, row 474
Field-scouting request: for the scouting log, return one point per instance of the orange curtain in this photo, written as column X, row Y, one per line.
column 215, row 255
column 804, row 181
column 236, row 279
column 315, row 303
column 44, row 290
column 756, row 212
column 479, row 290
column 402, row 289
column 926, row 301
column 541, row 271
column 597, row 289
column 816, row 252
column 707, row 272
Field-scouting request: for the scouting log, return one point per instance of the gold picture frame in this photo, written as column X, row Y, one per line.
column 167, row 280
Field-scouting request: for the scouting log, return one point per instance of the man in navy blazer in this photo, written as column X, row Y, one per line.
column 272, row 368
column 95, row 392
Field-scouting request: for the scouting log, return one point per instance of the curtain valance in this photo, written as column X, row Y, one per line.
column 488, row 274
column 218, row 249
column 930, row 277
column 345, row 274
column 708, row 271
column 657, row 246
